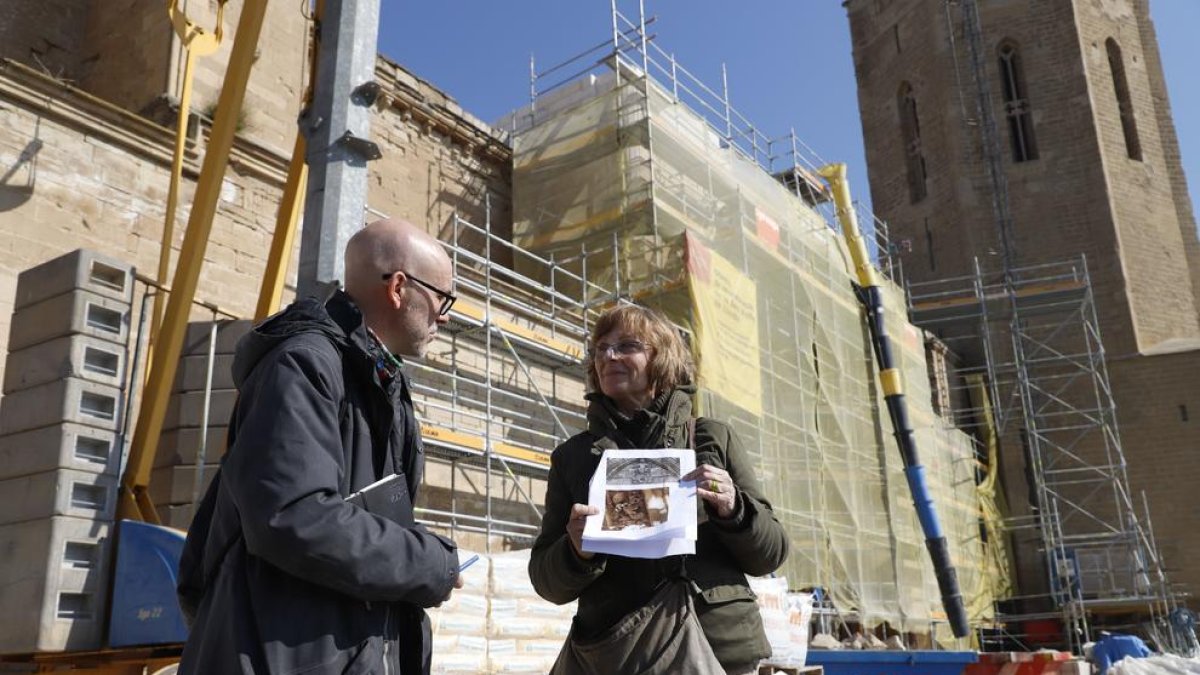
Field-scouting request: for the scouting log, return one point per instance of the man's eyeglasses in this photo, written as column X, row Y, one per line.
column 447, row 298
column 624, row 348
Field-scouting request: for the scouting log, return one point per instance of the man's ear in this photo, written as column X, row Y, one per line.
column 396, row 290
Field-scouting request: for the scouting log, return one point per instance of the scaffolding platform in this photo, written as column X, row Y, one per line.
column 936, row 309
column 459, row 445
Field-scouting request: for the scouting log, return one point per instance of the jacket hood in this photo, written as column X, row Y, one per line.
column 336, row 319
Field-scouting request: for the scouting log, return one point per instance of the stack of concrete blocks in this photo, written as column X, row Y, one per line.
column 194, row 434
column 60, row 450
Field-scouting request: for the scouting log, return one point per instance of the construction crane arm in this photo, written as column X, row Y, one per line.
column 870, row 296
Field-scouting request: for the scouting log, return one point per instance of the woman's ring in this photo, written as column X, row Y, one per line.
column 714, row 486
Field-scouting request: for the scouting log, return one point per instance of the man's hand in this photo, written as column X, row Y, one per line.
column 716, row 487
column 579, row 514
column 458, row 583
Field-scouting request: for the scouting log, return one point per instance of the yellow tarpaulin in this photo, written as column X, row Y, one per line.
column 726, row 327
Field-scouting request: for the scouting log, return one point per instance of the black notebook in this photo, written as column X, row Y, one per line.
column 388, row 498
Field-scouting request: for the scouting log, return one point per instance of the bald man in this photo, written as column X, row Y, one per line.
column 280, row 574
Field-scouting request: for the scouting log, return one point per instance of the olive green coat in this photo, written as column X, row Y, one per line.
column 608, row 586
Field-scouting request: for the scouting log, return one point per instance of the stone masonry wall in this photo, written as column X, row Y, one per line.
column 1158, row 408
column 1155, row 251
column 47, row 34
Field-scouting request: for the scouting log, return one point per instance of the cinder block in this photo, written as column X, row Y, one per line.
column 180, row 446
column 68, row 400
column 80, row 269
column 196, row 342
column 64, row 492
column 174, row 484
column 80, row 356
column 192, row 373
column 186, row 409
column 52, row 584
column 79, row 312
column 61, row 446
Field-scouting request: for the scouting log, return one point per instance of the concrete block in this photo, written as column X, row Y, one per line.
column 180, row 446
column 178, row 516
column 64, row 492
column 79, row 312
column 80, row 269
column 174, row 484
column 61, row 446
column 192, row 373
column 52, row 584
column 186, row 409
column 79, row 356
column 228, row 333
column 68, row 400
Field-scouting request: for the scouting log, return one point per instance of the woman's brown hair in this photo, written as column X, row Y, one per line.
column 670, row 363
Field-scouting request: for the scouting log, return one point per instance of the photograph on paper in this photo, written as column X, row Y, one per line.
column 635, row 508
column 643, row 508
column 642, row 471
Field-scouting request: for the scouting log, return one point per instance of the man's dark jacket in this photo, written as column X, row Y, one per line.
column 279, row 574
column 609, row 587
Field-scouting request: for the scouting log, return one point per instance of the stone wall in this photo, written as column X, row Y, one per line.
column 1158, row 408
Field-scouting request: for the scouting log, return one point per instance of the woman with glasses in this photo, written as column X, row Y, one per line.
column 641, row 380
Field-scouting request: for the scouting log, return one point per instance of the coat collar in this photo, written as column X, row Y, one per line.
column 669, row 414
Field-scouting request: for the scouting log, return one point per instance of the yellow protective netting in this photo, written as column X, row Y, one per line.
column 620, row 172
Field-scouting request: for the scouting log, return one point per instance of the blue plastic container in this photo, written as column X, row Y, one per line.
column 145, row 610
column 890, row 663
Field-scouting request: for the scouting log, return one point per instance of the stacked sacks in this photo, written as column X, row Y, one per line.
column 525, row 632
column 459, row 625
column 497, row 623
column 785, row 617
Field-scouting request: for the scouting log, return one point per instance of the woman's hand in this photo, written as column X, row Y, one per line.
column 579, row 514
column 716, row 487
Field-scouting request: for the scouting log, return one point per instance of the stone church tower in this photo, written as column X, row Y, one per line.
column 1082, row 158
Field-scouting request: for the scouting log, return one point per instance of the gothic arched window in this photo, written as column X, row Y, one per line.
column 910, row 129
column 1016, row 105
column 1133, row 146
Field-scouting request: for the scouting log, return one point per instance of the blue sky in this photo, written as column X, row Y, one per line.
column 788, row 61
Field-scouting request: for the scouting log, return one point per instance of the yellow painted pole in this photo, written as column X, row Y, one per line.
column 135, row 501
column 290, row 207
column 292, row 203
column 196, row 43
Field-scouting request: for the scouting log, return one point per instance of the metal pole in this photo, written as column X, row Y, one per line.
column 532, row 85
column 487, row 368
column 616, row 32
column 202, row 451
column 728, row 112
column 338, row 124
column 642, row 32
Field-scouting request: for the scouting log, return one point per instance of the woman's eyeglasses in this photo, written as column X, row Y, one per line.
column 624, row 348
column 447, row 298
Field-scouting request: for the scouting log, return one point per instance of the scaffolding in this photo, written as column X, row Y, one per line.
column 681, row 203
column 1035, row 332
